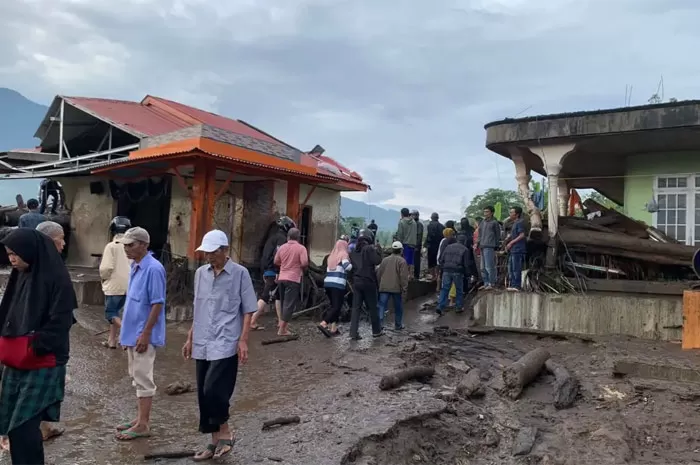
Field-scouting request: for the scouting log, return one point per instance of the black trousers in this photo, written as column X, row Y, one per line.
column 336, row 296
column 364, row 293
column 45, row 194
column 26, row 443
column 216, row 381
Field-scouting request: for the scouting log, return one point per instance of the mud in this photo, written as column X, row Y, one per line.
column 333, row 386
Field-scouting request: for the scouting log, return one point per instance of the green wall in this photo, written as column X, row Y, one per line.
column 641, row 170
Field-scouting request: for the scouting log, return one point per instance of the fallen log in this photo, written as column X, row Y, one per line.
column 280, row 339
column 627, row 243
column 397, row 379
column 566, row 385
column 471, row 385
column 183, row 454
column 643, row 256
column 522, row 372
column 281, row 421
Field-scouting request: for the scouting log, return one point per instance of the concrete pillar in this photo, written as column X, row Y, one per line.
column 563, row 197
column 523, row 177
column 552, row 157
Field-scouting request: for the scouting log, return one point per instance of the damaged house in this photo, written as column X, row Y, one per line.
column 626, row 270
column 178, row 172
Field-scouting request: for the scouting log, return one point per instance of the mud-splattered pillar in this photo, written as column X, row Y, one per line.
column 523, row 178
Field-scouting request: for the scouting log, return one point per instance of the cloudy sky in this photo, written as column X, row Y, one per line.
column 399, row 90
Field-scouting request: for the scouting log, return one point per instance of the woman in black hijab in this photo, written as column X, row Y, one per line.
column 36, row 314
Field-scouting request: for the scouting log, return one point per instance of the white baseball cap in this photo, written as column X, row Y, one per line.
column 397, row 245
column 213, row 241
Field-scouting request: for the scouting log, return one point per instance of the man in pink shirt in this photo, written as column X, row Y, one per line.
column 291, row 258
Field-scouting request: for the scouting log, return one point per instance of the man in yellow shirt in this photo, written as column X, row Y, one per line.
column 114, row 272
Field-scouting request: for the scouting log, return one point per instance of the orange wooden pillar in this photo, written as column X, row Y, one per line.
column 691, row 320
column 203, row 199
column 293, row 200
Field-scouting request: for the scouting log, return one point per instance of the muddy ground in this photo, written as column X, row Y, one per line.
column 346, row 419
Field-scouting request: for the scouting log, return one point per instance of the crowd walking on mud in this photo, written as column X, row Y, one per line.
column 36, row 312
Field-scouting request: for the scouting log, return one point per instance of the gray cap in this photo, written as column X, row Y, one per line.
column 135, row 234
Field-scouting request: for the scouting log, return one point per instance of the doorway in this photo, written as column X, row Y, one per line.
column 305, row 226
column 147, row 204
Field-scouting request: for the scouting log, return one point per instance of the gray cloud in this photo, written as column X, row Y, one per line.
column 397, row 91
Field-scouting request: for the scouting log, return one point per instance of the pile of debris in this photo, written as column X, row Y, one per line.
column 607, row 244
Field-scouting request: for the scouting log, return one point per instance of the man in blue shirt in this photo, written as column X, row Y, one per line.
column 32, row 218
column 143, row 327
column 516, row 246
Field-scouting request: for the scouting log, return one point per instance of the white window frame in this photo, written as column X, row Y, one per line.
column 690, row 190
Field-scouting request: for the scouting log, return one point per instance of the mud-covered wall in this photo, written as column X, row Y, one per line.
column 325, row 211
column 90, row 217
column 258, row 213
column 227, row 215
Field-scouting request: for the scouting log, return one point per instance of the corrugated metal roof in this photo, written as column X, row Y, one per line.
column 145, row 120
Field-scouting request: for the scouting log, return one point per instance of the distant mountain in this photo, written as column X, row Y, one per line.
column 385, row 218
column 19, row 119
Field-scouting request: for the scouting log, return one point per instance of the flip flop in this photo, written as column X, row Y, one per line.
column 326, row 332
column 257, row 328
column 106, row 344
column 206, row 454
column 124, row 426
column 131, row 435
column 221, row 444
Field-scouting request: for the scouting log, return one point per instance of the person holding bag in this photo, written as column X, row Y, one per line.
column 36, row 315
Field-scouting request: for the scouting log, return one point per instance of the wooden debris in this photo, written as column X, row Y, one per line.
column 471, row 385
column 279, row 339
column 397, row 379
column 652, row 371
column 566, row 385
column 626, row 243
column 178, row 387
column 522, row 372
column 281, row 421
column 183, row 454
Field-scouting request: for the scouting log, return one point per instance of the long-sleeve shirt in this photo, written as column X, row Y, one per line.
column 338, row 277
column 407, row 232
column 292, row 258
column 114, row 268
column 393, row 275
column 489, row 234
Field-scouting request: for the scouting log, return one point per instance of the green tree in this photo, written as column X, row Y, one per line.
column 345, row 224
column 491, row 197
column 604, row 201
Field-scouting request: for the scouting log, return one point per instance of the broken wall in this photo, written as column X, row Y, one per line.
column 90, row 218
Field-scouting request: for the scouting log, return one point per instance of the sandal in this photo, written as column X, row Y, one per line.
column 224, row 447
column 125, row 426
column 257, row 328
column 131, row 435
column 326, row 332
column 206, row 454
column 106, row 344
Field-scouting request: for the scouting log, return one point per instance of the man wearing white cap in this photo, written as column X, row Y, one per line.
column 143, row 327
column 224, row 303
column 393, row 284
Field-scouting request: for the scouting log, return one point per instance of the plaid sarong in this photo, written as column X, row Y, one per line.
column 25, row 394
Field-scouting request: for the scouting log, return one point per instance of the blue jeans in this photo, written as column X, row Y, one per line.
column 515, row 269
column 398, row 308
column 114, row 304
column 488, row 266
column 447, row 280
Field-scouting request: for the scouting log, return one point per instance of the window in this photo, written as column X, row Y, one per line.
column 678, row 200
